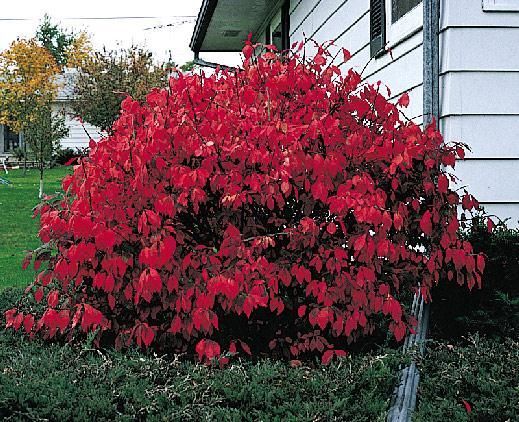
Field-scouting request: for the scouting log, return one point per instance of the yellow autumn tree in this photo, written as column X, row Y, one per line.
column 80, row 52
column 27, row 81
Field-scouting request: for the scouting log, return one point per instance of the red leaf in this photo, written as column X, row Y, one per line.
column 426, row 223
column 359, row 243
column 323, row 317
column 480, row 262
column 248, row 306
column 207, row 349
column 147, row 334
column 105, row 239
column 301, row 311
column 53, row 298
column 467, row 405
column 294, row 363
column 28, row 323
column 327, row 357
column 248, row 51
column 443, row 183
column 38, row 295
column 397, row 221
column 319, row 60
column 245, row 347
column 149, row 283
column 172, row 284
column 346, row 55
column 340, row 353
column 490, row 225
column 111, row 302
column 331, row 228
column 404, row 100
column 26, row 260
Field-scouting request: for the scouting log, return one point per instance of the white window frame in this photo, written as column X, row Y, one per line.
column 500, row 5
column 403, row 27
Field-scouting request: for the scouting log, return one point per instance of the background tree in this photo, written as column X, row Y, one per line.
column 67, row 47
column 108, row 77
column 79, row 53
column 27, row 81
column 43, row 136
column 188, row 66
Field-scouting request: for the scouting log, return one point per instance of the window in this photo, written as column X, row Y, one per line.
column 278, row 31
column 11, row 140
column 400, row 7
column 392, row 21
column 500, row 5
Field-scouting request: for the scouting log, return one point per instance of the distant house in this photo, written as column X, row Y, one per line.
column 77, row 131
column 76, row 138
column 478, row 67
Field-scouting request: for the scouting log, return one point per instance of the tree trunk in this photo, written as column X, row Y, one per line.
column 24, row 157
column 40, row 195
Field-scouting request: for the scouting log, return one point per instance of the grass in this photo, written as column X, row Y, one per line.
column 18, row 230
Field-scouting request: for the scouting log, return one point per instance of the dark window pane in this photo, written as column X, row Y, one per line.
column 11, row 140
column 277, row 37
column 400, row 7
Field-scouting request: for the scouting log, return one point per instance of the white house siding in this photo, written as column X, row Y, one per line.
column 479, row 80
column 348, row 23
column 480, row 87
column 76, row 138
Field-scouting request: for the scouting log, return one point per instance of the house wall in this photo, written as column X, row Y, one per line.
column 480, row 85
column 479, row 79
column 76, row 138
column 348, row 23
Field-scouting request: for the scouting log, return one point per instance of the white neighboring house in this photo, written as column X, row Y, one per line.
column 77, row 133
column 479, row 67
column 76, row 138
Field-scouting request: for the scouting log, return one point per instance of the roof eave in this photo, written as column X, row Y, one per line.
column 202, row 22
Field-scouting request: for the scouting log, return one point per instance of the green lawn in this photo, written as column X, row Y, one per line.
column 18, row 230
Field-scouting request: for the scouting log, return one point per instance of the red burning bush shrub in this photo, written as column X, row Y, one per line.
column 282, row 205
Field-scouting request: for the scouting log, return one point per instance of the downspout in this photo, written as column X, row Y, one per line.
column 404, row 399
column 431, row 61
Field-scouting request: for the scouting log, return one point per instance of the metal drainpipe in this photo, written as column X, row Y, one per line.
column 431, row 61
column 404, row 398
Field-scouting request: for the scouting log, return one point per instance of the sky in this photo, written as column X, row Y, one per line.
column 160, row 26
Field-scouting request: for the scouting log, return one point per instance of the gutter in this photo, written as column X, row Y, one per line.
column 403, row 403
column 203, row 63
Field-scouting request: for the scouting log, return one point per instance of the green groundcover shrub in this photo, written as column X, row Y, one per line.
column 475, row 381
column 492, row 310
column 470, row 369
column 41, row 381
